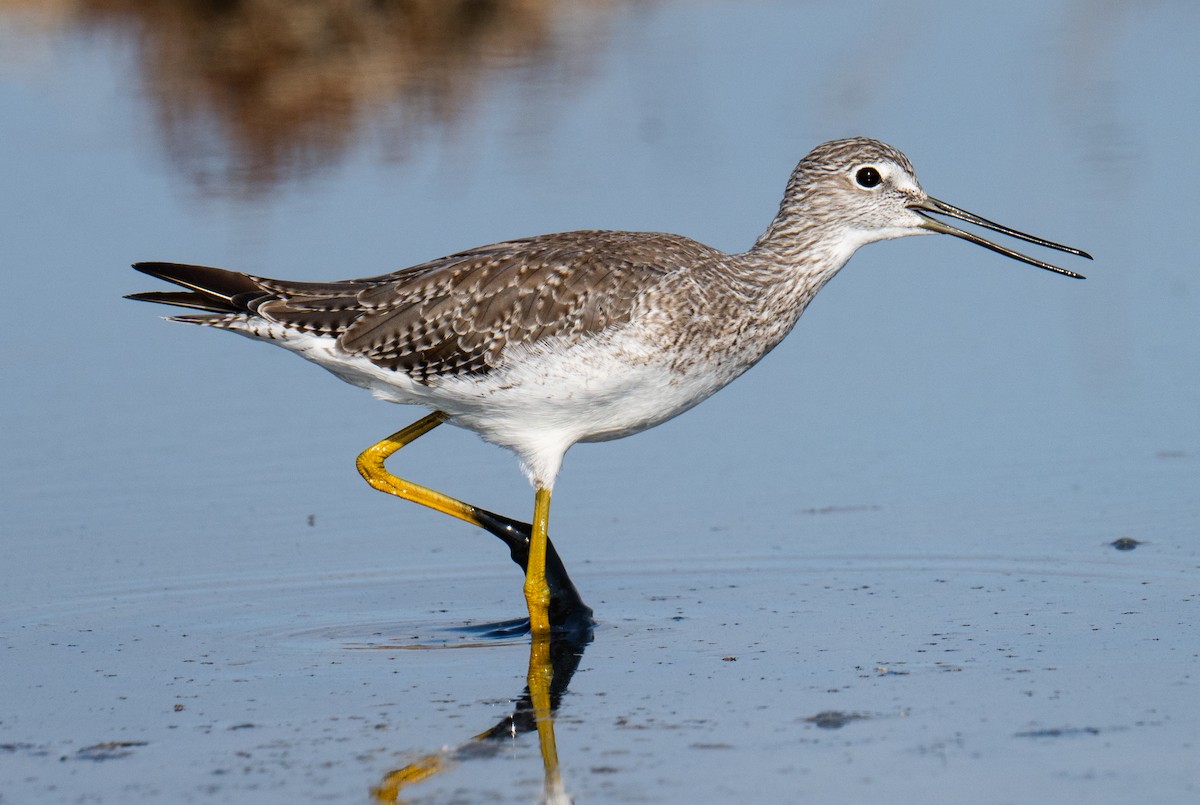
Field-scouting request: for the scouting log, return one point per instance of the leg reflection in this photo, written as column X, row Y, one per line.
column 553, row 660
column 540, row 681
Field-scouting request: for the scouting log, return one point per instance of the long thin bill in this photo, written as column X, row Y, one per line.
column 942, row 208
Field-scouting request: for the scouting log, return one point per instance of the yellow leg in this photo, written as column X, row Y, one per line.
column 371, row 467
column 537, row 591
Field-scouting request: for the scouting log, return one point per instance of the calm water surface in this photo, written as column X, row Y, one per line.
column 880, row 567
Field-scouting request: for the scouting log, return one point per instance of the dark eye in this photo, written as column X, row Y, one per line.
column 868, row 177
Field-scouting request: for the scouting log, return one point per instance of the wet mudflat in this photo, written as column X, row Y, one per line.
column 940, row 546
column 829, row 677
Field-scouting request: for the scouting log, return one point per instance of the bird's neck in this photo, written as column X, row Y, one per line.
column 801, row 245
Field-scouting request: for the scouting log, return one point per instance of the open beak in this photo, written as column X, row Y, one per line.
column 942, row 208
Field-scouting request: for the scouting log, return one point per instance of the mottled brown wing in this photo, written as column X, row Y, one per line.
column 458, row 317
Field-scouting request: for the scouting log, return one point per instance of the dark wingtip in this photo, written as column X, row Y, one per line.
column 207, row 288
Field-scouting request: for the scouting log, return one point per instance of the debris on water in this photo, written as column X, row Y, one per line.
column 887, row 670
column 109, row 750
column 31, row 749
column 1058, row 732
column 835, row 719
column 864, row 507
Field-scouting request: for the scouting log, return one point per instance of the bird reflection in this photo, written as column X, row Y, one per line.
column 553, row 660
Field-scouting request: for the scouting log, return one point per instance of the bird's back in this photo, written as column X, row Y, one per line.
column 451, row 316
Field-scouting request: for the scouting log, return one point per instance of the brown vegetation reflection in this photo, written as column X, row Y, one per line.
column 252, row 92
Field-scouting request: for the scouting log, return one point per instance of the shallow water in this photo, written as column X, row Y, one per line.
column 881, row 566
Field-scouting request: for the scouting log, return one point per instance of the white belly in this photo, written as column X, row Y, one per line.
column 545, row 398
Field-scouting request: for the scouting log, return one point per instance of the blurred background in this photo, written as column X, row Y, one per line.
column 937, row 407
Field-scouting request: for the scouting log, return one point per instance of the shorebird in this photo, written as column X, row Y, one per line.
column 542, row 342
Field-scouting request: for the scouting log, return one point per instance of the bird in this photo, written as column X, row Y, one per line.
column 539, row 343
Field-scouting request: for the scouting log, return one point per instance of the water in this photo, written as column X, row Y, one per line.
column 906, row 513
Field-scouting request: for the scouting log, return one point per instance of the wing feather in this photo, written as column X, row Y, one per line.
column 455, row 315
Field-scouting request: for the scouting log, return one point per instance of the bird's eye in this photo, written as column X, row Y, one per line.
column 868, row 177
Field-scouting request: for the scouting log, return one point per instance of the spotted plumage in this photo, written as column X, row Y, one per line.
column 455, row 315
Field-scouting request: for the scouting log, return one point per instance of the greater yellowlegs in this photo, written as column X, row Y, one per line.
column 539, row 343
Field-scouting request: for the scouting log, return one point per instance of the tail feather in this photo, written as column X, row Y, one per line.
column 190, row 299
column 215, row 290
column 250, row 304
